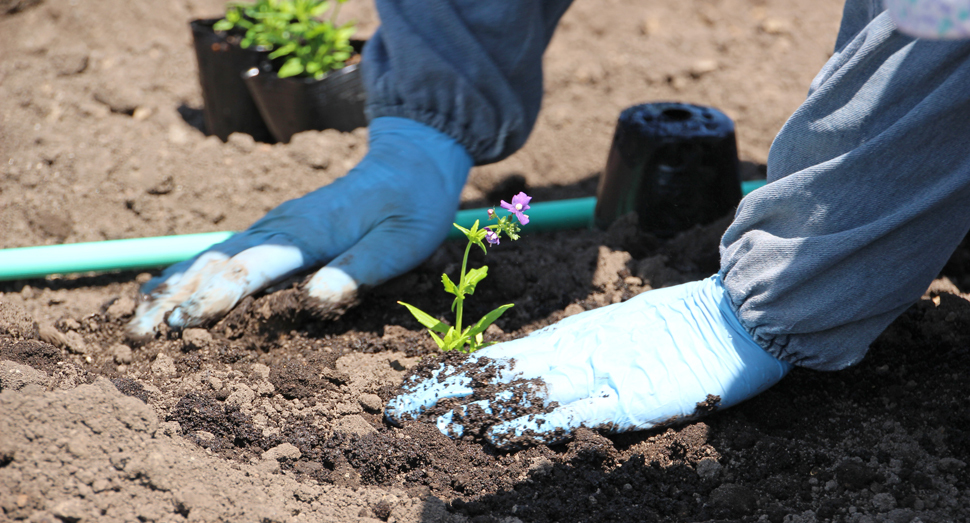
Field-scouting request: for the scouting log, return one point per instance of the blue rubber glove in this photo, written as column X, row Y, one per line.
column 650, row 361
column 382, row 219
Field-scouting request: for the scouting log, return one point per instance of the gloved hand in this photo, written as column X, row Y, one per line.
column 382, row 219
column 646, row 362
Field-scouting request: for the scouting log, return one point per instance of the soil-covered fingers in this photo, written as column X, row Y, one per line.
column 213, row 286
column 424, row 395
column 331, row 290
column 524, row 412
column 393, row 247
column 169, row 290
column 556, row 425
column 476, row 375
column 512, row 400
column 245, row 273
column 514, row 377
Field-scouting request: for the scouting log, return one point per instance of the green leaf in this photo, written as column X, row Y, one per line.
column 426, row 319
column 452, row 339
column 488, row 319
column 319, row 9
column 295, row 34
column 317, row 32
column 474, row 235
column 345, row 32
column 479, row 343
column 455, row 343
column 292, row 67
column 450, row 286
column 223, row 25
column 441, row 344
column 283, row 51
column 473, row 277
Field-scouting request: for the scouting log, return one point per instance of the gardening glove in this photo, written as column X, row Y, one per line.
column 664, row 356
column 382, row 219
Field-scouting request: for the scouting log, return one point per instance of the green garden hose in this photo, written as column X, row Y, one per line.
column 147, row 253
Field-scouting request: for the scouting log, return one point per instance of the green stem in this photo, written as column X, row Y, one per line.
column 461, row 286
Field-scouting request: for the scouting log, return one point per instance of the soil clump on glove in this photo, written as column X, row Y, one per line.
column 507, row 400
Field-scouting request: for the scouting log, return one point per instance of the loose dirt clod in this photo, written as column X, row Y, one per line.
column 16, row 322
column 37, row 354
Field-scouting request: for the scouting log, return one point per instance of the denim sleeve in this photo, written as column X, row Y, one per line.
column 471, row 69
column 868, row 196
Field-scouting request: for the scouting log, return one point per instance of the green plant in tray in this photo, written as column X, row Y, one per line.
column 296, row 32
column 472, row 337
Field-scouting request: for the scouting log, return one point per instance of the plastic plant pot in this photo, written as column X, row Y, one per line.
column 292, row 105
column 229, row 108
column 674, row 164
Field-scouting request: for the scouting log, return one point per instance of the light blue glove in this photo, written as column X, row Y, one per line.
column 647, row 362
column 382, row 219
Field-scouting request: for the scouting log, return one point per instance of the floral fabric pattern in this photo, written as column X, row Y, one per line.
column 934, row 19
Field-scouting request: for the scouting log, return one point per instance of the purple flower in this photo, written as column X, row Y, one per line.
column 491, row 236
column 491, row 214
column 520, row 202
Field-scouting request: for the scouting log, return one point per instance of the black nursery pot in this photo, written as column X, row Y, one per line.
column 675, row 164
column 292, row 105
column 229, row 107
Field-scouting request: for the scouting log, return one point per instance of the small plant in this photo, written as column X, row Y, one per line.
column 293, row 29
column 471, row 338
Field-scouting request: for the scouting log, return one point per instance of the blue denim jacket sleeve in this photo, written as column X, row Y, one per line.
column 868, row 196
column 471, row 69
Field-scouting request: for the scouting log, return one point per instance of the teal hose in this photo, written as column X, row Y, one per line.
column 111, row 255
column 749, row 186
column 147, row 253
column 546, row 216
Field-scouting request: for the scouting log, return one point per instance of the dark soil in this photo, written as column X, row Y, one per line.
column 275, row 414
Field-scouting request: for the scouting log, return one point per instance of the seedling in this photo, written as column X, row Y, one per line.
column 471, row 338
column 295, row 33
